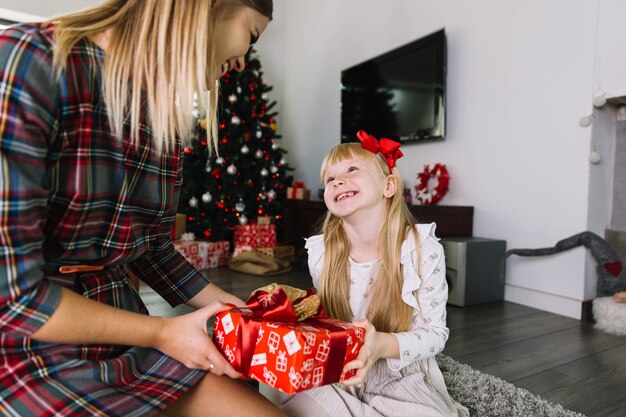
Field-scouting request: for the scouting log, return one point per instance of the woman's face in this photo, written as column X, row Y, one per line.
column 235, row 31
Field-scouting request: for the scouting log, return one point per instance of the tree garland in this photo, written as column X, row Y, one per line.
column 426, row 195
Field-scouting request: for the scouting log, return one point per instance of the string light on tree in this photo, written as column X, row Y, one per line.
column 264, row 172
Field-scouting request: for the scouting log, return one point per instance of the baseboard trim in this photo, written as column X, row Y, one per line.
column 586, row 313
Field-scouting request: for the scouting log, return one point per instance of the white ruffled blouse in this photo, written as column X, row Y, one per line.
column 427, row 292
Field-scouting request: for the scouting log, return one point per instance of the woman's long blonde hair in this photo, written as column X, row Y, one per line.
column 386, row 311
column 158, row 56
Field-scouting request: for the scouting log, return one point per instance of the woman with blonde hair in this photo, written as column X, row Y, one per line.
column 93, row 108
column 373, row 264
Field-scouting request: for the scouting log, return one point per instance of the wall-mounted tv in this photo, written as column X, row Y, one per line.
column 400, row 94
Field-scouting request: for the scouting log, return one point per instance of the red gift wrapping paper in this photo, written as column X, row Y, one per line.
column 255, row 235
column 290, row 357
column 204, row 255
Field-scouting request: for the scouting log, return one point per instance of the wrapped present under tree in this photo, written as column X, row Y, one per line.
column 203, row 255
column 298, row 191
column 255, row 235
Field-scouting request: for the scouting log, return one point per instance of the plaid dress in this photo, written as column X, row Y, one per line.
column 71, row 193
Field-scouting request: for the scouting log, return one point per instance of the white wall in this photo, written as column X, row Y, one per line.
column 46, row 8
column 520, row 75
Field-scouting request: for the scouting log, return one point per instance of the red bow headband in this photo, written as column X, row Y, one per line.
column 389, row 149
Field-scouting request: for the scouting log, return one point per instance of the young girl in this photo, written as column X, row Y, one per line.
column 373, row 264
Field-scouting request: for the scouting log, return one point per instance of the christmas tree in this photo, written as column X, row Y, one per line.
column 248, row 176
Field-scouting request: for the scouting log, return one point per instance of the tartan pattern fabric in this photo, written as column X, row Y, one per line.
column 72, row 193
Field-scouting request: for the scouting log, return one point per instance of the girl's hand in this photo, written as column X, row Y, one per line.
column 368, row 355
column 185, row 339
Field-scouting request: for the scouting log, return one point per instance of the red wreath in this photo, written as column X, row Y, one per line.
column 433, row 195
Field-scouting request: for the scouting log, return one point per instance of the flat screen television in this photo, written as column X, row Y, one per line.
column 400, row 94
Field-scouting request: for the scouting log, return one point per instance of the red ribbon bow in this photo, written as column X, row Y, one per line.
column 389, row 149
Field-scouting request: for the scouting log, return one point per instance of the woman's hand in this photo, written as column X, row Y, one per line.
column 185, row 339
column 212, row 293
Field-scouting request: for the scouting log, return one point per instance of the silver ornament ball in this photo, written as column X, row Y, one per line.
column 232, row 169
column 193, row 202
column 207, row 197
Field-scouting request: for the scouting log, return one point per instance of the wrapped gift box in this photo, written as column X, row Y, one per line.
column 255, row 235
column 241, row 249
column 288, row 356
column 265, row 220
column 179, row 226
column 298, row 192
column 281, row 252
column 204, row 255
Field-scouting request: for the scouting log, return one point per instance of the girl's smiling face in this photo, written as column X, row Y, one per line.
column 353, row 185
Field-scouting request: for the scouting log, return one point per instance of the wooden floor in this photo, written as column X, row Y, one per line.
column 563, row 360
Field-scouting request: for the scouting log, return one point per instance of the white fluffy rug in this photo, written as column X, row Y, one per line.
column 610, row 316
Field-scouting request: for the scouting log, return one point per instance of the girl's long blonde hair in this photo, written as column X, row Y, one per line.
column 386, row 311
column 158, row 57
